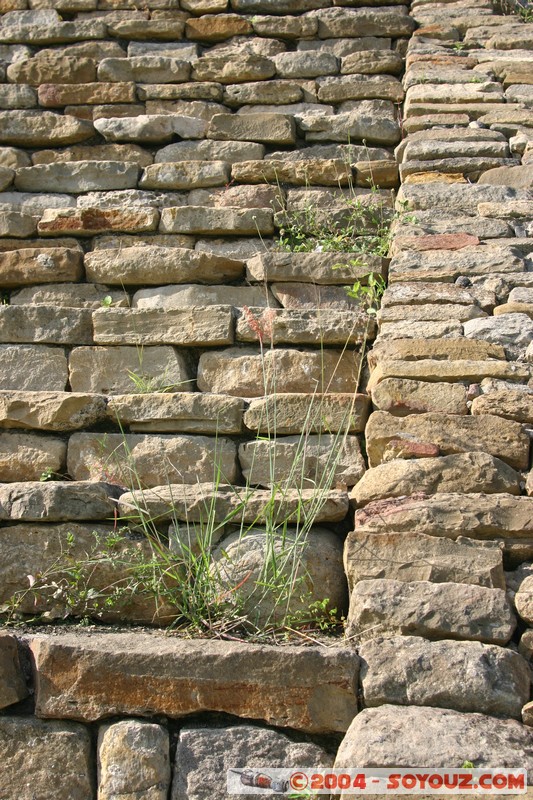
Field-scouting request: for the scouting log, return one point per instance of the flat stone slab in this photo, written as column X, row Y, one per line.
column 30, row 265
column 33, row 368
column 391, row 736
column 144, row 675
column 190, row 412
column 184, row 502
column 198, row 326
column 480, row 516
column 462, row 472
column 322, row 268
column 57, row 501
column 432, row 610
column 50, row 748
column 51, row 411
column 391, row 437
column 432, row 370
column 406, row 556
column 465, row 676
column 315, row 413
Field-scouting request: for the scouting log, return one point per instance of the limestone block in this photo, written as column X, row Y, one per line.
column 431, row 610
column 245, row 373
column 463, row 472
column 117, row 266
column 185, row 175
column 188, row 503
column 293, row 461
column 464, row 676
column 408, row 556
column 265, row 128
column 76, row 177
column 42, row 128
column 187, row 412
column 217, row 221
column 51, row 747
column 33, row 368
column 50, row 411
column 92, row 221
column 12, row 684
column 199, row 326
column 133, row 760
column 124, row 370
column 136, row 459
column 40, row 265
column 57, row 501
column 315, row 413
column 183, row 677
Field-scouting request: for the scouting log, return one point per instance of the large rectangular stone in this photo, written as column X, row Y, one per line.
column 359, row 87
column 57, row 501
column 32, row 324
column 33, row 368
column 199, row 326
column 436, row 265
column 119, row 266
column 388, row 437
column 50, row 411
column 27, row 456
column 57, row 95
column 42, row 129
column 266, row 128
column 336, row 23
column 322, row 268
column 433, row 370
column 218, row 221
column 312, row 171
column 78, row 176
column 295, row 326
column 92, row 221
column 187, row 412
column 39, row 265
column 144, row 69
column 184, row 677
column 315, row 413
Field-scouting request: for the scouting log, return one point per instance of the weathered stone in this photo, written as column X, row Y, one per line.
column 408, row 556
column 464, row 472
column 133, row 759
column 13, row 158
column 432, row 610
column 240, row 564
column 302, row 64
column 80, row 295
column 165, row 28
column 290, row 461
column 221, row 69
column 419, row 330
column 145, row 69
column 12, row 684
column 319, row 172
column 115, row 242
column 172, row 297
column 182, row 677
column 465, row 676
column 513, row 331
column 400, row 737
column 38, row 324
column 188, row 503
column 217, row 221
column 312, row 295
column 523, row 600
column 216, row 29
column 91, row 221
column 266, row 128
column 97, row 152
column 138, row 460
column 436, row 265
column 185, row 412
column 338, row 22
column 455, row 198
column 34, row 203
column 316, row 413
column 343, row 47
column 25, row 457
column 496, row 516
column 359, row 87
column 209, row 150
column 282, row 326
column 367, row 120
column 50, row 411
column 53, row 95
column 264, row 92
column 284, row 27
column 418, row 349
column 205, row 6
column 41, row 128
column 401, row 396
column 372, row 62
column 211, row 93
column 424, row 293
column 13, row 223
column 75, row 177
column 185, row 51
column 525, row 646
column 123, row 370
column 499, row 437
column 198, row 326
column 430, row 312
column 57, row 501
column 506, row 208
column 38, row 265
column 52, row 68
column 322, row 268
column 185, row 175
column 51, row 747
column 245, row 373
column 33, row 368
column 436, row 370
column 13, row 96
column 282, row 7
column 47, row 27
column 166, row 265
column 204, row 756
column 517, row 405
column 150, row 128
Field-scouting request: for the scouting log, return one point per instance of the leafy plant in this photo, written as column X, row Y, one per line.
column 369, row 292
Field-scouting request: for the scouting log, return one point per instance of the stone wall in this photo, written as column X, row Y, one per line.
column 154, row 335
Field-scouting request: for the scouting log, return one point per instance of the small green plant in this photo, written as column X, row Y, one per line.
column 368, row 291
column 149, row 384
column 107, row 301
column 468, row 765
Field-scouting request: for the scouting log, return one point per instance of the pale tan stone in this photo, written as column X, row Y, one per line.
column 68, row 295
column 57, row 501
column 172, row 297
column 126, row 370
column 184, row 412
column 296, row 326
column 322, row 268
column 217, row 221
column 516, row 405
column 138, row 460
column 198, row 326
column 313, row 413
column 432, row 370
column 401, row 396
column 41, row 129
column 523, row 600
column 271, row 129
column 97, row 152
column 434, row 349
column 50, row 411
column 91, row 221
column 52, row 68
column 33, row 368
column 499, row 437
column 39, row 265
column 26, row 456
column 185, row 175
column 221, row 69
column 409, row 556
column 246, row 373
column 216, row 29
column 320, row 172
column 12, row 684
column 133, row 759
column 55, row 95
column 372, row 62
column 39, row 324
